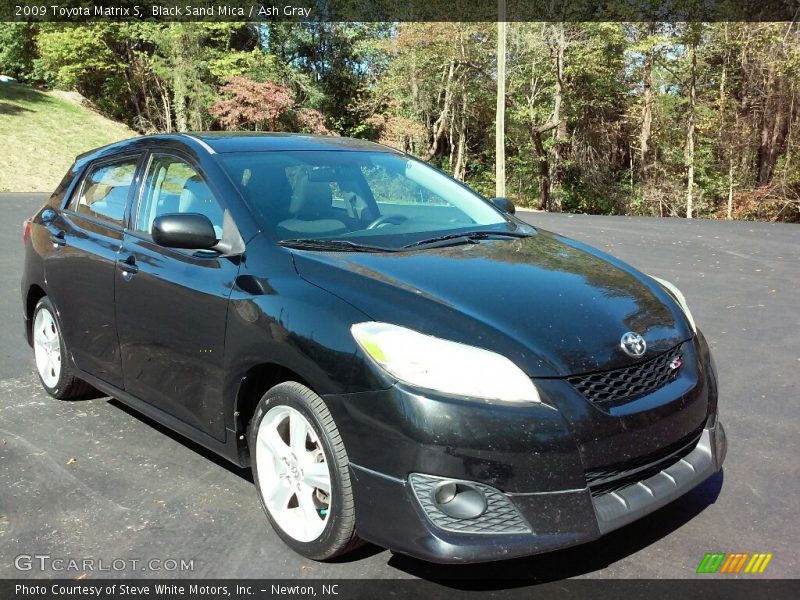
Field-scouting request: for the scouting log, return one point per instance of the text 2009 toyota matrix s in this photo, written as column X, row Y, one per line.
column 400, row 360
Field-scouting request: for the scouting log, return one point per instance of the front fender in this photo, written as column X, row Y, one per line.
column 277, row 318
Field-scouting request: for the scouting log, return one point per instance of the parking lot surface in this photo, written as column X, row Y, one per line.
column 93, row 479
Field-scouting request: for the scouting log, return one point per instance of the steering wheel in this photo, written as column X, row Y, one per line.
column 387, row 220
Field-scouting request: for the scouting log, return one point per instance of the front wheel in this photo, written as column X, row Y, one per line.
column 300, row 469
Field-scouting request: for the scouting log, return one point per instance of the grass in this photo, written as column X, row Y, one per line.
column 40, row 136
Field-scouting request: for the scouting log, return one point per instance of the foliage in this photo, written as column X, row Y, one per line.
column 612, row 118
column 263, row 106
column 17, row 50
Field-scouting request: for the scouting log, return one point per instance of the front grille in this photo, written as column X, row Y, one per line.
column 610, row 388
column 619, row 475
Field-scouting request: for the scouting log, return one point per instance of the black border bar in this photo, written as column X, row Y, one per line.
column 706, row 587
column 84, row 11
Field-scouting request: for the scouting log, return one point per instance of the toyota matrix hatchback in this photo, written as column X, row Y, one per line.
column 398, row 359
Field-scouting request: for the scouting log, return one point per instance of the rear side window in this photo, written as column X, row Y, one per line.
column 104, row 191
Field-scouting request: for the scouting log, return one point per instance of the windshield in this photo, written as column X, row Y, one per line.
column 373, row 198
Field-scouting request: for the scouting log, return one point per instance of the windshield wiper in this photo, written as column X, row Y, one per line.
column 468, row 237
column 339, row 245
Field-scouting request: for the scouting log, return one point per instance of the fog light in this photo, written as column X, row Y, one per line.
column 466, row 506
column 459, row 500
column 444, row 493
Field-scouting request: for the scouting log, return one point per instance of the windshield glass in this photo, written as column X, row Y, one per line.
column 375, row 198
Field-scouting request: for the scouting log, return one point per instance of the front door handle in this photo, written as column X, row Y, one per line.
column 128, row 266
column 59, row 238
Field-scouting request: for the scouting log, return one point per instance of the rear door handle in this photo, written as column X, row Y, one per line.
column 59, row 238
column 128, row 266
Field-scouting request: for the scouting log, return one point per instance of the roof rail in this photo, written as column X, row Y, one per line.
column 199, row 141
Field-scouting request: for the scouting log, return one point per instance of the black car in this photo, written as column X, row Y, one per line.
column 400, row 360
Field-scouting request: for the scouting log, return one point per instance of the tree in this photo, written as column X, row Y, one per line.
column 17, row 49
column 650, row 118
column 263, row 106
column 336, row 63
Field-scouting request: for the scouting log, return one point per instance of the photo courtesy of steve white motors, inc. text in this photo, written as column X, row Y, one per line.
column 221, row 10
column 170, row 589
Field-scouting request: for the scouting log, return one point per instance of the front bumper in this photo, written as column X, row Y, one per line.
column 532, row 461
column 389, row 515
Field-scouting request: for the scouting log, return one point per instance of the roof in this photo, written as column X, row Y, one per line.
column 241, row 141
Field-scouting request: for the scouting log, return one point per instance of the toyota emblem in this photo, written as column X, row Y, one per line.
column 633, row 344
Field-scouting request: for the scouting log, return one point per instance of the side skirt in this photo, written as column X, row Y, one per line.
column 227, row 449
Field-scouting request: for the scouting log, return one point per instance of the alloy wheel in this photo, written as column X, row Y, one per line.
column 294, row 474
column 47, row 347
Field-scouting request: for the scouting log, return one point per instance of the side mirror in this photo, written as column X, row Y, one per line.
column 505, row 205
column 191, row 231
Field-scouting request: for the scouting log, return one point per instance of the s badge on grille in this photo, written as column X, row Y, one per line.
column 633, row 344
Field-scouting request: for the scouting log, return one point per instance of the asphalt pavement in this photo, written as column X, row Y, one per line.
column 93, row 479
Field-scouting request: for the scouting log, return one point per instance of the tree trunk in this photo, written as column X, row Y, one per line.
column 451, row 141
column 767, row 125
column 544, row 168
column 181, row 111
column 647, row 107
column 461, row 156
column 164, row 93
column 442, row 122
column 559, row 147
column 774, row 127
column 730, row 187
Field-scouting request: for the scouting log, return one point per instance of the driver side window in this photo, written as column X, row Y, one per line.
column 174, row 186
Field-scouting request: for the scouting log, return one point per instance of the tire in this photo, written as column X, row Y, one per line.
column 51, row 356
column 289, row 481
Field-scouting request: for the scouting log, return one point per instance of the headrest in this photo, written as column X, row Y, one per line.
column 311, row 199
column 192, row 195
column 270, row 191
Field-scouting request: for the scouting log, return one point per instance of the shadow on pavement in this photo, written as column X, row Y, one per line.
column 242, row 472
column 360, row 553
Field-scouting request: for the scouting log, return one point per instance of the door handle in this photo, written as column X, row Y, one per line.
column 128, row 266
column 59, row 238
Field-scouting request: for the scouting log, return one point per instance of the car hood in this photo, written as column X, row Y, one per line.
column 554, row 306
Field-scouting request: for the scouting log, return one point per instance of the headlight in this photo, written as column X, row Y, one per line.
column 680, row 298
column 450, row 367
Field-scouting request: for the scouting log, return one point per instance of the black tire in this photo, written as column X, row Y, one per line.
column 339, row 536
column 68, row 386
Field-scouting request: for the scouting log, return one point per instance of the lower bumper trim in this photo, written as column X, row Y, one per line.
column 620, row 507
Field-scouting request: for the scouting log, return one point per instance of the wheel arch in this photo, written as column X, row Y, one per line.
column 35, row 293
column 252, row 386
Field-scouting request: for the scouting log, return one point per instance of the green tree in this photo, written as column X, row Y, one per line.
column 17, row 50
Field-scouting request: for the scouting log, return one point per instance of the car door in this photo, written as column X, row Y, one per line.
column 172, row 303
column 87, row 236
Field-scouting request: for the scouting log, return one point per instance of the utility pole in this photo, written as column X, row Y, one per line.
column 500, row 116
column 690, row 128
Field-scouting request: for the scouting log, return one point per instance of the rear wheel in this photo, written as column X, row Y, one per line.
column 300, row 469
column 50, row 353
